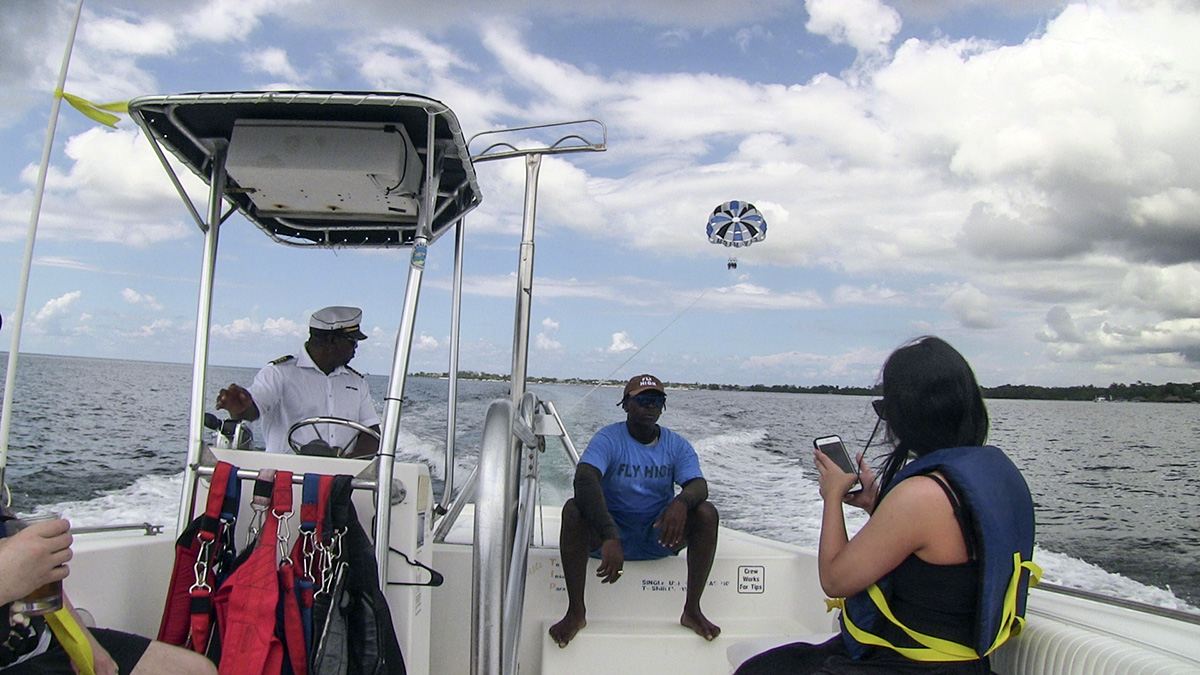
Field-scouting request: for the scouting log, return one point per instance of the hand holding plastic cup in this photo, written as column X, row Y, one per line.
column 48, row 597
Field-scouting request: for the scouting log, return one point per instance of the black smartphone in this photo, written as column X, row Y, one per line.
column 835, row 449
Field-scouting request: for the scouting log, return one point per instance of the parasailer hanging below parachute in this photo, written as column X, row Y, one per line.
column 736, row 224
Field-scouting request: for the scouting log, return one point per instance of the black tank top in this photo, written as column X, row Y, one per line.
column 936, row 600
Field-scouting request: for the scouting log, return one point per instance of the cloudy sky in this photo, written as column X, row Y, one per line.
column 1021, row 178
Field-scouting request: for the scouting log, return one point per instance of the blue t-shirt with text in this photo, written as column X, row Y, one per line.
column 639, row 480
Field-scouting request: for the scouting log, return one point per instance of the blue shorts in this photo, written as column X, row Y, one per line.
column 639, row 539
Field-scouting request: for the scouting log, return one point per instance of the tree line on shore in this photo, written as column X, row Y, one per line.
column 1171, row 392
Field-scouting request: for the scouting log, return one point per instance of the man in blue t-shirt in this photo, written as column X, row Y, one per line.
column 625, row 507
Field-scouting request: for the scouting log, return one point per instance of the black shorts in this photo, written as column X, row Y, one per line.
column 125, row 648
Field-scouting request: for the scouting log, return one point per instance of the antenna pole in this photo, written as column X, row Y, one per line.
column 10, row 375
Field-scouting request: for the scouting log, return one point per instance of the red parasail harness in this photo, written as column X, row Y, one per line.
column 308, row 552
column 308, row 609
column 203, row 554
column 247, row 602
column 293, row 627
column 298, row 574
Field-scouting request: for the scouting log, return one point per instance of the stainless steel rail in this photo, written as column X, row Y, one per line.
column 493, row 538
column 397, row 494
column 562, row 434
column 203, row 327
column 545, row 422
column 1167, row 612
column 452, row 372
column 579, row 136
column 150, row 528
column 504, row 514
column 514, row 595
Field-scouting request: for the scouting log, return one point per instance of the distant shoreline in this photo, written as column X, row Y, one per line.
column 1140, row 392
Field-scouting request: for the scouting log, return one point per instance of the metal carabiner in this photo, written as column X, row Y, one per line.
column 282, row 534
column 308, row 554
column 201, row 569
column 257, row 519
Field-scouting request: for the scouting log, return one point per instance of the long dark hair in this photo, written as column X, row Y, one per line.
column 931, row 401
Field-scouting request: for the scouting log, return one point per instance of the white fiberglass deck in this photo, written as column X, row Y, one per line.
column 758, row 590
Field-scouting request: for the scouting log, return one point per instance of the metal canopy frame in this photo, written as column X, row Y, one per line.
column 198, row 129
column 531, row 143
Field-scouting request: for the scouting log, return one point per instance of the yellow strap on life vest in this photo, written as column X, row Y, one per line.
column 95, row 111
column 74, row 642
column 1012, row 625
column 935, row 649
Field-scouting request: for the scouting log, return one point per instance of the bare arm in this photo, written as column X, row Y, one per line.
column 589, row 498
column 916, row 518
column 693, row 493
column 672, row 523
column 238, row 401
column 365, row 445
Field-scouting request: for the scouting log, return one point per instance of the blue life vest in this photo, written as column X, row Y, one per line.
column 999, row 508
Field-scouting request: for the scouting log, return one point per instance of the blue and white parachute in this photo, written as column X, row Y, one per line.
column 736, row 224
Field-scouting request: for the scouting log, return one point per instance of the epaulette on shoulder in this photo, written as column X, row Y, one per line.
column 282, row 359
column 355, row 372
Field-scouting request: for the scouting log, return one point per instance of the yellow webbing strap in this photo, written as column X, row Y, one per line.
column 95, row 111
column 1012, row 625
column 935, row 649
column 74, row 642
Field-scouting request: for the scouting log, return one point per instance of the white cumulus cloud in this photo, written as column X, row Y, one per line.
column 971, row 307
column 48, row 319
column 134, row 298
column 621, row 343
column 866, row 25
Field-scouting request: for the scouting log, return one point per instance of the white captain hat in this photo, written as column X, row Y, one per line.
column 340, row 319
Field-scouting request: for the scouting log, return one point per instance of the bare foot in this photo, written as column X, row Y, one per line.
column 564, row 631
column 697, row 622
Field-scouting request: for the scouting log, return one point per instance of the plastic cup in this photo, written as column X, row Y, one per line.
column 48, row 597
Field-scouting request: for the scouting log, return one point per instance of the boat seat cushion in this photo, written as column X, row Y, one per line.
column 1049, row 647
column 1043, row 648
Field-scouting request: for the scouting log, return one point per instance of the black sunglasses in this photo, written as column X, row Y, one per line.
column 648, row 400
column 877, row 404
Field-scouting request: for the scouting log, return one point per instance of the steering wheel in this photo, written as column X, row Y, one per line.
column 314, row 421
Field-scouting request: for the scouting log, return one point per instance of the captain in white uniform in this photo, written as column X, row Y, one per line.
column 317, row 383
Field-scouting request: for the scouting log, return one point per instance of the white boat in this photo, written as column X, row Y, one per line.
column 404, row 176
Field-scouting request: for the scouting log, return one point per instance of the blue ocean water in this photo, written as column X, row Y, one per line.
column 1115, row 489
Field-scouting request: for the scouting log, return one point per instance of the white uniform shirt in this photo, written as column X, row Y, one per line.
column 297, row 389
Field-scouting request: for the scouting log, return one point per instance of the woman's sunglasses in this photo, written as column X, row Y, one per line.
column 877, row 404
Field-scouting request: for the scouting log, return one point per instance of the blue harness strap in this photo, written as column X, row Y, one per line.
column 306, row 551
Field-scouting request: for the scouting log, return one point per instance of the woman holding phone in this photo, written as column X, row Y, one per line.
column 926, row 581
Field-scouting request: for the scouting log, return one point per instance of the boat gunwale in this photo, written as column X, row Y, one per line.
column 1123, row 603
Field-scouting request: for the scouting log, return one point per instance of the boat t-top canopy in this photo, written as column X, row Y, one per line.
column 372, row 170
column 321, row 168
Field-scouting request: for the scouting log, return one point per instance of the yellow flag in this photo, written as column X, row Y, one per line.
column 95, row 111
